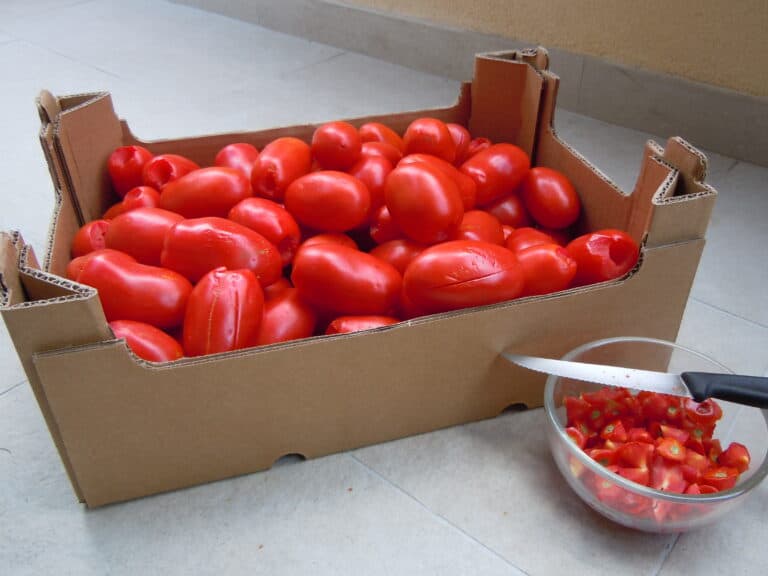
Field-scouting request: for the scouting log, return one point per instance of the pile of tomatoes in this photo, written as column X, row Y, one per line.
column 657, row 440
column 359, row 228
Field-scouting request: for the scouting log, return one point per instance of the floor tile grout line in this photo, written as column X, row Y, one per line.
column 442, row 518
column 4, row 392
column 724, row 311
column 666, row 556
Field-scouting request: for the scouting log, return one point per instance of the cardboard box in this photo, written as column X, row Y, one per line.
column 126, row 428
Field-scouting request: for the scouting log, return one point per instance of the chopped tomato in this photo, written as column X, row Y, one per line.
column 671, row 449
column 735, row 456
column 722, row 477
column 614, row 431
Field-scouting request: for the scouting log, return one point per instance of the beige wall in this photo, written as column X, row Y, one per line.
column 719, row 42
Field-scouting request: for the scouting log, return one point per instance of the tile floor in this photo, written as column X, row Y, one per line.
column 478, row 499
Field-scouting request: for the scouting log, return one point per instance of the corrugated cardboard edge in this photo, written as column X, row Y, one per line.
column 26, row 295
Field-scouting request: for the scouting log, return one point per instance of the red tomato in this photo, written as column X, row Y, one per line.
column 141, row 233
column 241, row 156
column 382, row 150
column 378, row 132
column 497, row 171
column 722, row 478
column 195, row 247
column 125, row 166
column 465, row 184
column 224, row 312
column 461, row 274
column 347, row 324
column 286, row 317
column 146, row 341
column 424, row 203
column 166, row 168
column 343, row 281
column 373, row 171
column 615, row 432
column 640, row 435
column 671, row 449
column 562, row 237
column 139, row 197
column 281, row 162
column 547, row 268
column 90, row 237
column 76, row 265
column 603, row 255
column 735, row 456
column 430, row 136
column 383, row 227
column 336, row 145
column 635, row 454
column 329, row 238
column 603, row 456
column 270, row 220
column 398, row 252
column 329, row 201
column 673, row 432
column 667, row 476
column 576, row 435
column 477, row 145
column 462, row 138
column 479, row 225
column 277, row 288
column 132, row 291
column 522, row 238
column 550, row 198
column 206, row 192
column 707, row 412
column 510, row 210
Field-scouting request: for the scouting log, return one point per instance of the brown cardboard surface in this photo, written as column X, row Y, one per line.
column 126, row 428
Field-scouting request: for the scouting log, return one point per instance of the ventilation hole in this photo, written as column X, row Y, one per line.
column 288, row 459
column 516, row 407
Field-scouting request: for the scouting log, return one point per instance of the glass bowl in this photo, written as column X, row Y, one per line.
column 635, row 505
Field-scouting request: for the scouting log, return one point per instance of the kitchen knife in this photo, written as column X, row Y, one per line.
column 748, row 390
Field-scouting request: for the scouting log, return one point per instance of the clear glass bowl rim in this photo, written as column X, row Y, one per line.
column 549, row 405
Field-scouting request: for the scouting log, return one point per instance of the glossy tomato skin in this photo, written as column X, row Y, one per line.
column 547, row 268
column 342, row 281
column 381, row 150
column 240, row 155
column 383, row 227
column 462, row 138
column 550, row 198
column 270, row 220
column 603, row 255
column 329, row 201
column 277, row 288
column 461, row 274
column 378, row 132
column 510, row 210
column 206, row 192
column 281, row 162
column 329, row 238
column 196, row 246
column 497, row 171
column 77, row 264
column 141, row 233
column 166, row 168
column 348, row 324
column 399, row 253
column 481, row 226
column 522, row 238
column 90, row 237
column 430, row 136
column 129, row 290
column 224, row 312
column 286, row 317
column 477, row 145
column 424, row 203
column 336, row 145
column 138, row 197
column 125, row 166
column 465, row 184
column 373, row 171
column 146, row 341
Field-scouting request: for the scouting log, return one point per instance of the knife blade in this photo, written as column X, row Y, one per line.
column 748, row 390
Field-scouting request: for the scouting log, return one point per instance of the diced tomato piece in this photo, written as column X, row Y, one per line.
column 639, row 435
column 707, row 412
column 690, row 474
column 667, row 476
column 576, row 409
column 576, row 435
column 696, row 460
column 713, row 448
column 671, row 449
column 674, row 412
column 612, row 445
column 653, row 406
column 614, row 431
column 602, row 456
column 722, row 477
column 635, row 454
column 639, row 475
column 673, row 432
column 735, row 456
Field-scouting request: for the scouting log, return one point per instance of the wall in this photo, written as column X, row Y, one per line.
column 711, row 41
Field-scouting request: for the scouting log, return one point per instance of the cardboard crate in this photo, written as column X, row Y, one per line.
column 126, row 428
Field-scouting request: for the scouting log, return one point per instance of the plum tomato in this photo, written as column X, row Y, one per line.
column 477, row 145
column 480, row 225
column 141, row 233
column 347, row 324
column 146, row 341
column 383, row 150
column 550, row 198
column 399, row 252
column 510, row 210
column 430, row 136
column 280, row 162
column 125, row 166
column 462, row 138
column 602, row 255
column 497, row 171
column 329, row 201
column 547, row 268
column 165, row 168
column 90, row 237
column 205, row 192
column 240, row 155
column 329, row 238
column 336, row 145
column 270, row 220
column 465, row 184
column 522, row 238
column 378, row 132
column 373, row 171
column 286, row 317
column 383, row 227
column 138, row 197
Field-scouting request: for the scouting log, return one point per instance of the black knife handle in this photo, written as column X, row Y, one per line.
column 748, row 390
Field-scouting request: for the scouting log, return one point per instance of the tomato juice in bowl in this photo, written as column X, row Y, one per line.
column 624, row 498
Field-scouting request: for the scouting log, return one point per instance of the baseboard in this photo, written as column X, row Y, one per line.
column 712, row 118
